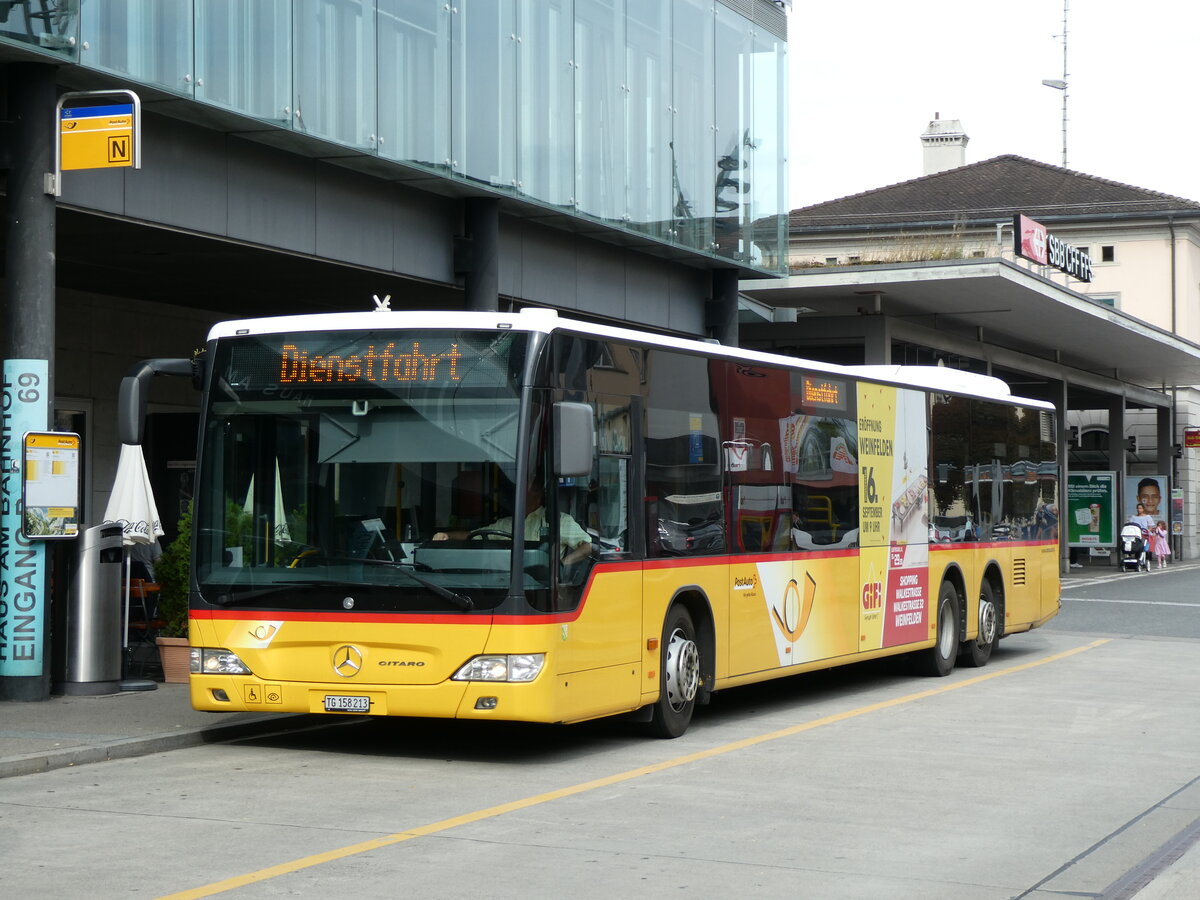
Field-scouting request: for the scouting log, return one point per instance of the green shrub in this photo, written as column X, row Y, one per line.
column 172, row 571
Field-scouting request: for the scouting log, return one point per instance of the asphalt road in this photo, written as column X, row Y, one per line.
column 1159, row 603
column 1067, row 766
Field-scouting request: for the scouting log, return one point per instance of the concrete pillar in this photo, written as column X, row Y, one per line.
column 1116, row 454
column 1057, row 394
column 1165, row 463
column 877, row 341
column 721, row 313
column 29, row 235
column 28, row 325
column 482, row 251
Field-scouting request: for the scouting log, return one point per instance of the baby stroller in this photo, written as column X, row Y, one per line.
column 1133, row 549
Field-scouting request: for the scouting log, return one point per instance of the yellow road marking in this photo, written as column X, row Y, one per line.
column 492, row 811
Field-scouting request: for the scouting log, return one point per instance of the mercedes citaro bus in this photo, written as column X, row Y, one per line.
column 739, row 516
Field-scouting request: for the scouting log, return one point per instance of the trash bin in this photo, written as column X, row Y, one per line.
column 94, row 616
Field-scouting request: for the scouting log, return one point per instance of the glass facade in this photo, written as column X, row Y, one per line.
column 661, row 117
column 243, row 59
column 51, row 26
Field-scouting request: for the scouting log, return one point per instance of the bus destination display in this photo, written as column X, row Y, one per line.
column 825, row 393
column 366, row 360
column 381, row 363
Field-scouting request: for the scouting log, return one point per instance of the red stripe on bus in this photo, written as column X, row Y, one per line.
column 242, row 615
column 991, row 545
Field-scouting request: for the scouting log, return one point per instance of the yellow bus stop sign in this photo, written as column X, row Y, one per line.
column 96, row 137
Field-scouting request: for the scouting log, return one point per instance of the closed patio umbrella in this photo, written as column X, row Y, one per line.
column 132, row 506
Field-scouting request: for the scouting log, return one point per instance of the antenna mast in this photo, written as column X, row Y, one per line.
column 1061, row 84
column 1064, row 79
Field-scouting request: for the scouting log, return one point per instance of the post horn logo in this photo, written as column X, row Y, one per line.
column 796, row 611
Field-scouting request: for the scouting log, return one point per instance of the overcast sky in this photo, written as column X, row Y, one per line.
column 867, row 76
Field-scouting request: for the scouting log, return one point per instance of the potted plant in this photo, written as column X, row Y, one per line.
column 172, row 571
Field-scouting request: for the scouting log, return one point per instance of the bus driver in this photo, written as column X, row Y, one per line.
column 574, row 543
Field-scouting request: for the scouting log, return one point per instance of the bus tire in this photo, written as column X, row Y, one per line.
column 939, row 659
column 678, row 677
column 976, row 653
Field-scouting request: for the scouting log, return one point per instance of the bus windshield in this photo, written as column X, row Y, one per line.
column 329, row 461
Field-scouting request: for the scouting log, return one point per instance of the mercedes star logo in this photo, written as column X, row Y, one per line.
column 347, row 660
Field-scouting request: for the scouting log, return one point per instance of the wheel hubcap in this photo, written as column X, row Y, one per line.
column 682, row 669
column 987, row 621
column 945, row 630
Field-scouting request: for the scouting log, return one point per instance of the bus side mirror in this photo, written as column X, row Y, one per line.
column 575, row 439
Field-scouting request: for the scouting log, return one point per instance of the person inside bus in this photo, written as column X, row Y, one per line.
column 575, row 544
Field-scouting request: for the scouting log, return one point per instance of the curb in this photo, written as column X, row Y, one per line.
column 125, row 748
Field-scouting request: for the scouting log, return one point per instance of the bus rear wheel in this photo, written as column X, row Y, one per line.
column 976, row 653
column 939, row 659
column 678, row 677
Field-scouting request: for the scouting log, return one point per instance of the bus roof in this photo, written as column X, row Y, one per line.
column 935, row 378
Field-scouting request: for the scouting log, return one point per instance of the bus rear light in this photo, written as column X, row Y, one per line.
column 511, row 667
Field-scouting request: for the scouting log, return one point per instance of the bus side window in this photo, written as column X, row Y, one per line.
column 683, row 458
column 604, row 507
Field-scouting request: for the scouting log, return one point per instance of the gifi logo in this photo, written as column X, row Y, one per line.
column 872, row 596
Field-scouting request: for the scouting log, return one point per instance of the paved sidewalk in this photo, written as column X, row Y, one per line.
column 70, row 731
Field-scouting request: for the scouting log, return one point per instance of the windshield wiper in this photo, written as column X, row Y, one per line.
column 462, row 601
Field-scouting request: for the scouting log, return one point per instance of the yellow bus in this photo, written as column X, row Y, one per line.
column 696, row 517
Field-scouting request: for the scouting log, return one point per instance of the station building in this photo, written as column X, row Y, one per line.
column 619, row 160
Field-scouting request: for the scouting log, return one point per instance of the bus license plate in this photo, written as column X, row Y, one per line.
column 342, row 703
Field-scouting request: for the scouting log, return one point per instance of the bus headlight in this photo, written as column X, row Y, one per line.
column 217, row 661
column 510, row 667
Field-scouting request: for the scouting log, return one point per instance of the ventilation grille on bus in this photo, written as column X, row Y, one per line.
column 1018, row 575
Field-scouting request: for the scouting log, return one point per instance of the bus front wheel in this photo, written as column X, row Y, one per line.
column 678, row 677
column 939, row 659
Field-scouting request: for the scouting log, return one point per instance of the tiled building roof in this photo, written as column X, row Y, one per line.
column 989, row 191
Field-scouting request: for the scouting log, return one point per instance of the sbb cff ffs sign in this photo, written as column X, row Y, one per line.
column 1033, row 242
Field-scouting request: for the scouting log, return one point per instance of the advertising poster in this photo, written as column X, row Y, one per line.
column 51, row 485
column 1150, row 491
column 1091, row 509
column 1176, row 510
column 893, row 500
column 23, row 625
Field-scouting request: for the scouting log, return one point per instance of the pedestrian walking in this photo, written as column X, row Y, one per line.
column 1160, row 544
column 1145, row 521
